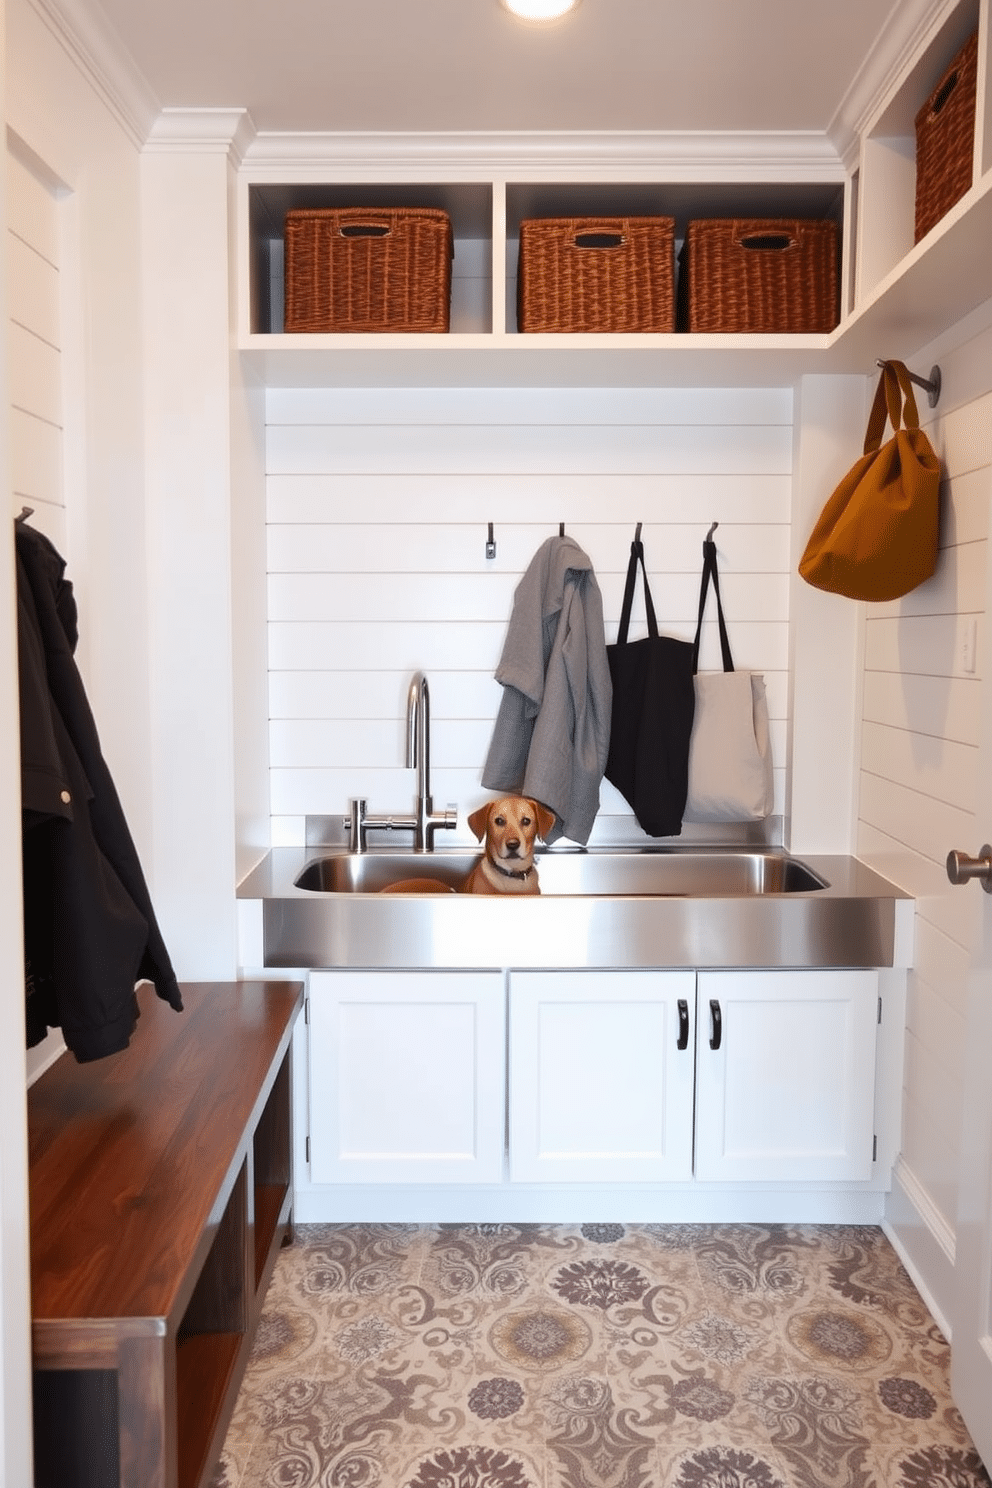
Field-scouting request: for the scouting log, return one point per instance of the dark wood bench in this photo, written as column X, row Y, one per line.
column 160, row 1190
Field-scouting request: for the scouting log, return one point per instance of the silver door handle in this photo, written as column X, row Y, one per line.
column 960, row 867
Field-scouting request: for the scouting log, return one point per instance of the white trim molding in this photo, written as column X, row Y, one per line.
column 924, row 1242
column 911, row 26
column 757, row 156
column 202, row 131
column 86, row 36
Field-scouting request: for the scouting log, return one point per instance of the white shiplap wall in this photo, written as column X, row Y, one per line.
column 918, row 792
column 35, row 373
column 35, row 346
column 378, row 510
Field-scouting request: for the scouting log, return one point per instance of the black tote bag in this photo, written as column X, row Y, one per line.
column 654, row 701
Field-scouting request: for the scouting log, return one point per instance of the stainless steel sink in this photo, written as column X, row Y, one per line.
column 702, row 874
column 692, row 905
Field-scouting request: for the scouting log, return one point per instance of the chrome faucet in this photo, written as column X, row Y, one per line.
column 424, row 821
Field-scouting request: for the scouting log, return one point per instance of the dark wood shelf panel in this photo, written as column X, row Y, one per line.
column 269, row 1214
column 205, row 1367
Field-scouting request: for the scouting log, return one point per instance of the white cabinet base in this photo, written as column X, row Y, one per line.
column 587, row 1203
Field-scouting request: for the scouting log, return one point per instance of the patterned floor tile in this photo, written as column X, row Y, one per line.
column 596, row 1356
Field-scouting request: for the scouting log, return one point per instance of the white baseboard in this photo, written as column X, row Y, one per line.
column 583, row 1203
column 923, row 1241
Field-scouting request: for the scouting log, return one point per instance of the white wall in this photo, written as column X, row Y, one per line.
column 79, row 144
column 378, row 510
column 15, row 1336
column 918, row 789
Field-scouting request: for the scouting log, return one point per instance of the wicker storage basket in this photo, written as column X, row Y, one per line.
column 359, row 269
column 759, row 274
column 945, row 139
column 596, row 274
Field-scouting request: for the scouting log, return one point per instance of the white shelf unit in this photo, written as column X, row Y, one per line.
column 895, row 295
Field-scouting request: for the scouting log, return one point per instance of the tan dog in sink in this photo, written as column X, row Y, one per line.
column 509, row 827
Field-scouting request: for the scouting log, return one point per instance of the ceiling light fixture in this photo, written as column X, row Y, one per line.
column 539, row 11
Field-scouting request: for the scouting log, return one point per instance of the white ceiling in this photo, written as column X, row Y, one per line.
column 465, row 65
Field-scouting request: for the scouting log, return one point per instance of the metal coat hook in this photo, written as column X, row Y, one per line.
column 561, row 529
column 713, row 527
column 931, row 384
column 490, row 543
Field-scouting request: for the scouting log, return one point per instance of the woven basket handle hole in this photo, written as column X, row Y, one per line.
column 599, row 240
column 768, row 242
column 945, row 93
column 364, row 230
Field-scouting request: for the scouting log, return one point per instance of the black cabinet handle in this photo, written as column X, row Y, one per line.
column 716, row 1024
column 683, row 1041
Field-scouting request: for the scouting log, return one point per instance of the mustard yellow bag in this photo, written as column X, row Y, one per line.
column 876, row 538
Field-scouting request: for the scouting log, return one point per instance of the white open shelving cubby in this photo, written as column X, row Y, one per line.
column 895, row 295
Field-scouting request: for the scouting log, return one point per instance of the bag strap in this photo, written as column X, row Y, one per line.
column 636, row 557
column 710, row 571
column 894, row 396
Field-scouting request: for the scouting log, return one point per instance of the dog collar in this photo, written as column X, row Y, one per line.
column 513, row 872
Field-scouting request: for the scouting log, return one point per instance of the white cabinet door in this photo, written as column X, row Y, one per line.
column 786, row 1075
column 407, row 1077
column 601, row 1076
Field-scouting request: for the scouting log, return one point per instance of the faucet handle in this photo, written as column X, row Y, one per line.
column 440, row 820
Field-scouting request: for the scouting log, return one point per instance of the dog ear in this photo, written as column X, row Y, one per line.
column 545, row 819
column 479, row 820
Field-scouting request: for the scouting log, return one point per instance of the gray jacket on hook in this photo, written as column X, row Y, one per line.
column 552, row 731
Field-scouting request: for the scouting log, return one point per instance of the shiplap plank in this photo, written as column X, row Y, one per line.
column 315, row 792
column 413, row 646
column 32, row 210
column 329, row 694
column 35, row 375
column 454, row 694
column 964, row 511
column 536, row 500
column 943, row 964
column 957, row 586
column 34, row 292
column 931, row 1158
column 35, row 458
column 325, row 743
column 343, row 596
column 931, row 1125
column 938, row 768
column 321, row 742
column 951, row 914
column 681, row 407
column 913, row 819
column 411, row 547
column 531, row 448
column 941, row 707
column 964, row 437
column 427, row 645
column 920, row 645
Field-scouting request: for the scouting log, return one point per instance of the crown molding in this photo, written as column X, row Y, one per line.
column 679, row 156
column 90, row 42
column 905, row 36
column 205, row 131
